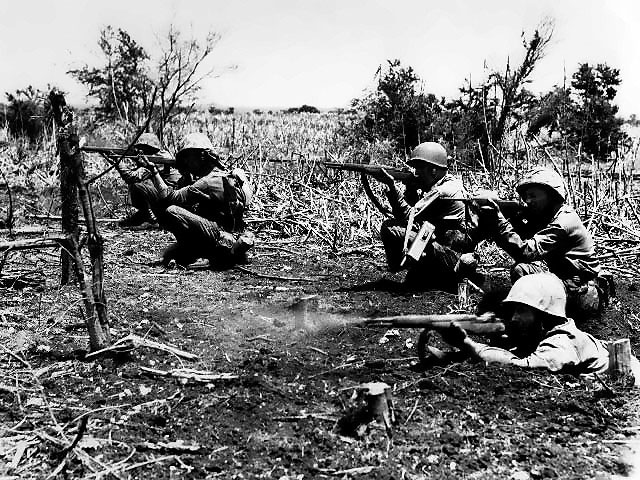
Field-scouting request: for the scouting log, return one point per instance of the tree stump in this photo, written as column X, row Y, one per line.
column 619, row 358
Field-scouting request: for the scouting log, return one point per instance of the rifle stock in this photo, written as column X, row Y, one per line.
column 470, row 323
column 509, row 208
column 122, row 152
column 402, row 175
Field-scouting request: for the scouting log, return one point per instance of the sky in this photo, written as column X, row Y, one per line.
column 284, row 53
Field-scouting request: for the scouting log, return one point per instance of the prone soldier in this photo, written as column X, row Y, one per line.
column 539, row 333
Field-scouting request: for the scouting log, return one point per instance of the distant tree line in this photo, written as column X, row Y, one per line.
column 479, row 123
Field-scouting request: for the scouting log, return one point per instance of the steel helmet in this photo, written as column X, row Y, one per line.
column 197, row 141
column 546, row 177
column 542, row 291
column 150, row 141
column 430, row 152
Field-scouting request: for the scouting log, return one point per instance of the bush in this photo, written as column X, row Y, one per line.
column 28, row 113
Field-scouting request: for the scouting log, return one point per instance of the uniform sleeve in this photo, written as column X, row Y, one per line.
column 549, row 356
column 550, row 239
column 133, row 175
column 203, row 189
column 401, row 204
column 555, row 354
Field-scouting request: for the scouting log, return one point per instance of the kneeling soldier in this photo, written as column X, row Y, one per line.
column 143, row 194
column 435, row 198
column 206, row 217
column 553, row 239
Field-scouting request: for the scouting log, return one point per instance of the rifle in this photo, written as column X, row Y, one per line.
column 122, row 152
column 509, row 208
column 482, row 325
column 401, row 174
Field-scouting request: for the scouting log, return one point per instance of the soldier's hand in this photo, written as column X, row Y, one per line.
column 454, row 335
column 489, row 210
column 144, row 162
column 483, row 196
column 384, row 177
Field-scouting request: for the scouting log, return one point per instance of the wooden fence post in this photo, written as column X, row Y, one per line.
column 71, row 158
column 68, row 192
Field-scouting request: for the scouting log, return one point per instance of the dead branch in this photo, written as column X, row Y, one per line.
column 190, row 374
column 131, row 342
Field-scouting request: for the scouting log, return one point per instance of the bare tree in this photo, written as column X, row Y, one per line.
column 124, row 83
column 511, row 82
column 180, row 74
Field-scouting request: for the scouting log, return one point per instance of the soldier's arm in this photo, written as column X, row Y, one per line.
column 550, row 239
column 456, row 336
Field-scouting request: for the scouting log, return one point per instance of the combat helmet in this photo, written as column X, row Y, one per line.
column 148, row 141
column 197, row 141
column 545, row 177
column 430, row 152
column 542, row 291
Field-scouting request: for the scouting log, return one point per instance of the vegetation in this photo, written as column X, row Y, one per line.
column 129, row 86
column 27, row 114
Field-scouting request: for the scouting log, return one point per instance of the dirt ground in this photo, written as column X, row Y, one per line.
column 287, row 381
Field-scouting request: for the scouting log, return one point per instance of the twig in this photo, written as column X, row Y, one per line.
column 413, row 410
column 197, row 375
column 318, row 350
column 274, row 277
column 132, row 341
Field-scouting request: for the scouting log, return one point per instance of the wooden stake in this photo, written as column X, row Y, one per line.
column 619, row 358
column 93, row 293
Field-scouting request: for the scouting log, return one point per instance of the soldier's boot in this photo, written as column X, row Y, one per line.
column 232, row 249
column 138, row 218
column 175, row 254
column 584, row 303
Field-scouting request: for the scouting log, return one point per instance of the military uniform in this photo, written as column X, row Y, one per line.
column 437, row 267
column 558, row 243
column 550, row 341
column 206, row 217
column 142, row 193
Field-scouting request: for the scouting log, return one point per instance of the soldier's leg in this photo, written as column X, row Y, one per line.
column 436, row 269
column 521, row 269
column 180, row 254
column 194, row 234
column 143, row 196
column 392, row 235
column 583, row 299
column 205, row 239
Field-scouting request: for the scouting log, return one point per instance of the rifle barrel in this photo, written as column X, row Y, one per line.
column 397, row 173
column 470, row 323
column 417, row 321
column 118, row 152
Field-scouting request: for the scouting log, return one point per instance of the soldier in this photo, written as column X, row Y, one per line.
column 433, row 197
column 142, row 193
column 553, row 239
column 540, row 333
column 205, row 217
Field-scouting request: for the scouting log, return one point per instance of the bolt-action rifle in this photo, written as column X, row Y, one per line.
column 486, row 324
column 122, row 152
column 509, row 208
column 401, row 174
